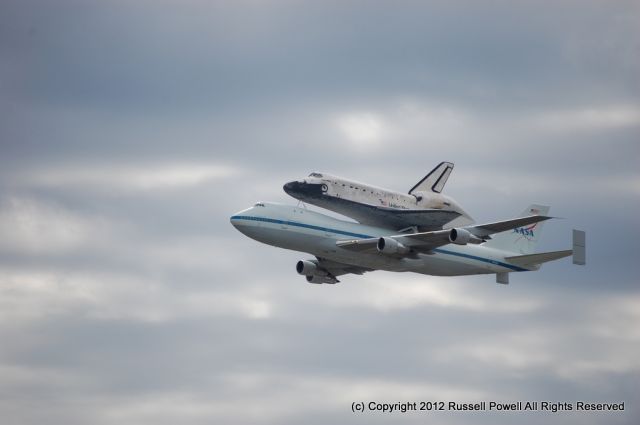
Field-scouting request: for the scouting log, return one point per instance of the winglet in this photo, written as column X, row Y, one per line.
column 435, row 180
column 579, row 247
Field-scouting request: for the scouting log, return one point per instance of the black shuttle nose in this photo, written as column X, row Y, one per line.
column 304, row 190
column 293, row 187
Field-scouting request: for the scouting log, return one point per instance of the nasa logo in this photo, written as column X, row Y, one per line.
column 527, row 232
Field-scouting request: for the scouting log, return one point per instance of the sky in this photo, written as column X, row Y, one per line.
column 130, row 131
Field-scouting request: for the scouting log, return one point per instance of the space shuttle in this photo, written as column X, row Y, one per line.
column 423, row 208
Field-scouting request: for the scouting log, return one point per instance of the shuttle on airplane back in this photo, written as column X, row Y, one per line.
column 423, row 208
column 423, row 231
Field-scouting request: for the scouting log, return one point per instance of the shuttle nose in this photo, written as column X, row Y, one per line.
column 303, row 189
column 293, row 187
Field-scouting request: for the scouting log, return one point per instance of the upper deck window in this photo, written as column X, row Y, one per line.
column 259, row 204
column 315, row 175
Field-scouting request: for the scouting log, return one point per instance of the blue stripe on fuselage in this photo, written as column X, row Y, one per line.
column 486, row 260
column 294, row 223
column 358, row 235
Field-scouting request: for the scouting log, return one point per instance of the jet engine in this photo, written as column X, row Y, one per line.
column 391, row 246
column 306, row 267
column 463, row 237
column 313, row 273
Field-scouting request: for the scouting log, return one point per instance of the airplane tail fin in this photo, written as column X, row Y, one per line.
column 521, row 240
column 435, row 180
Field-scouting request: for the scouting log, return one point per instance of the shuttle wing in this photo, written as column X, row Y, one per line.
column 394, row 218
column 426, row 241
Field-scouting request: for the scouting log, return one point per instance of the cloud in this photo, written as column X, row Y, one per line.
column 388, row 293
column 31, row 226
column 590, row 119
column 363, row 130
column 130, row 132
column 133, row 177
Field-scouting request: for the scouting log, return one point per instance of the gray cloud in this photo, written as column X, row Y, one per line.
column 130, row 132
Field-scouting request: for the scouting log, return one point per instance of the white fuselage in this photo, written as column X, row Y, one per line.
column 300, row 229
column 366, row 194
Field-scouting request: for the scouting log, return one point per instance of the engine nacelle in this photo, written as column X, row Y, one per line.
column 313, row 273
column 321, row 279
column 306, row 267
column 390, row 246
column 463, row 237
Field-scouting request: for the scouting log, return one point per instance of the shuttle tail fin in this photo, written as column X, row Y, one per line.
column 435, row 180
column 521, row 240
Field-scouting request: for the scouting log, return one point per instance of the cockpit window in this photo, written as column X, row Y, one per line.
column 315, row 175
column 259, row 204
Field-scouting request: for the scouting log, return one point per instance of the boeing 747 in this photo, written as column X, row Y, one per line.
column 340, row 247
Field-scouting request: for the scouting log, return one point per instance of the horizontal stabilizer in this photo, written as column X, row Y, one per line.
column 535, row 259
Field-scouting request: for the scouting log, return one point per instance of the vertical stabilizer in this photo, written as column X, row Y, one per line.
column 521, row 240
column 435, row 180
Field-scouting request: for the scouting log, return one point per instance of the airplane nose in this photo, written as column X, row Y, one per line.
column 236, row 219
column 241, row 225
column 233, row 221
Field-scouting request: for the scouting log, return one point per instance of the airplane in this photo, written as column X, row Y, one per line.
column 424, row 207
column 341, row 247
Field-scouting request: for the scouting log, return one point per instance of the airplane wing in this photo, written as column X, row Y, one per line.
column 484, row 230
column 423, row 241
column 337, row 269
column 426, row 241
column 327, row 271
